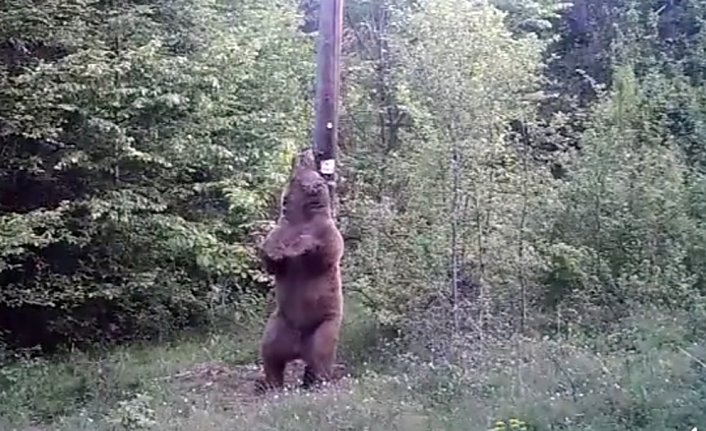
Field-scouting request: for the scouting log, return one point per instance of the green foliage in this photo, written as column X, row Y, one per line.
column 536, row 16
column 656, row 383
column 140, row 144
column 451, row 203
column 123, row 384
column 458, row 74
column 625, row 230
column 134, row 414
column 510, row 424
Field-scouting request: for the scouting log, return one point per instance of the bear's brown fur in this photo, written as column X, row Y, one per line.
column 303, row 252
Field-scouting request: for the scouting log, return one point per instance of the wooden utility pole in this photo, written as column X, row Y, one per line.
column 328, row 58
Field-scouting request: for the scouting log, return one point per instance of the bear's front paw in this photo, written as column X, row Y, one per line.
column 299, row 246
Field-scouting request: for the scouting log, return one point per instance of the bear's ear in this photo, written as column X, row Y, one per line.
column 307, row 160
column 303, row 160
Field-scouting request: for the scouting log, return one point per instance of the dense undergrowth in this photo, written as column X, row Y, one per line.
column 648, row 375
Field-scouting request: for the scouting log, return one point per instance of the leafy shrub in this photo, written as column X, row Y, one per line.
column 141, row 145
column 134, row 414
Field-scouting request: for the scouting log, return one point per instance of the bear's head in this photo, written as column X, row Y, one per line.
column 307, row 194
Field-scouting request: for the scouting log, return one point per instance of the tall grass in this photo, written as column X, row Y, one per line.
column 655, row 381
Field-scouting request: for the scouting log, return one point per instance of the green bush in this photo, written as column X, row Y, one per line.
column 141, row 145
column 624, row 231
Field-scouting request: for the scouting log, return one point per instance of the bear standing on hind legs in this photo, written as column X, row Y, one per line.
column 303, row 252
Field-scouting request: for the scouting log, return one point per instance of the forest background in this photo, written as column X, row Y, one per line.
column 522, row 193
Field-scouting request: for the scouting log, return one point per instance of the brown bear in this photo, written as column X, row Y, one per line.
column 303, row 252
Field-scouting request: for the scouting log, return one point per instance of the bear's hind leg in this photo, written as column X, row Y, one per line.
column 274, row 375
column 319, row 353
column 280, row 344
column 309, row 378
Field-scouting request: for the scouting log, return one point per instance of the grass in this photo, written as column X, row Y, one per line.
column 658, row 383
column 46, row 391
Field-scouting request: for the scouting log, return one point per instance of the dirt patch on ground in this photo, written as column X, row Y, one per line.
column 236, row 384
